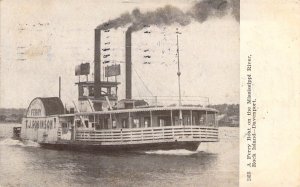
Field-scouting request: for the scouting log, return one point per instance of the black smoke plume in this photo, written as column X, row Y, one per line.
column 169, row 15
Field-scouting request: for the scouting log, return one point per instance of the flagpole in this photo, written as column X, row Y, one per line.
column 178, row 74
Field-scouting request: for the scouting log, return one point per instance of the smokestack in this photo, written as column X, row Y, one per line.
column 59, row 87
column 97, row 59
column 128, row 80
column 97, row 71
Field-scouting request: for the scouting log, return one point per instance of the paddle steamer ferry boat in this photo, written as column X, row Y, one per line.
column 101, row 121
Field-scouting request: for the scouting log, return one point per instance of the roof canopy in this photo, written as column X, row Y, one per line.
column 45, row 106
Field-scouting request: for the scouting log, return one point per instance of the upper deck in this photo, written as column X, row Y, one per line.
column 141, row 118
column 145, row 109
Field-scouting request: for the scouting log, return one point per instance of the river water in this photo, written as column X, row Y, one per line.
column 27, row 164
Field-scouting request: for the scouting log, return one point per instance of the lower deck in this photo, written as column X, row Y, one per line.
column 145, row 135
column 130, row 128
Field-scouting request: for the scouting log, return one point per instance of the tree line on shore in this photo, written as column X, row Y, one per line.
column 12, row 115
column 229, row 114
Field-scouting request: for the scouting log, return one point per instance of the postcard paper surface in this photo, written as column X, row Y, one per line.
column 269, row 134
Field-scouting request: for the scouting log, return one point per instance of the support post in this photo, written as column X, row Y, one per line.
column 172, row 118
column 74, row 134
column 216, row 121
column 110, row 121
column 151, row 120
column 206, row 117
column 180, row 118
column 129, row 120
column 191, row 114
column 94, row 121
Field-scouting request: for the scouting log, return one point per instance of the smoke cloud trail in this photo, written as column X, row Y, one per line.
column 169, row 15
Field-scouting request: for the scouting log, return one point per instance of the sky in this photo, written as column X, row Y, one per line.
column 42, row 40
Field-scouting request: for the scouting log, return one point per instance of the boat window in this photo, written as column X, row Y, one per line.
column 147, row 122
column 161, row 122
column 114, row 124
column 64, row 125
column 105, row 91
column 91, row 91
column 210, row 121
column 136, row 123
column 86, row 123
column 194, row 120
column 124, row 123
column 186, row 120
column 64, row 128
column 202, row 120
column 78, row 123
column 128, row 105
column 164, row 121
column 85, row 91
column 105, row 123
column 91, row 118
column 97, row 126
column 113, row 91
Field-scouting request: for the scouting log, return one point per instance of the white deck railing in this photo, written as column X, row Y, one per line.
column 173, row 100
column 140, row 135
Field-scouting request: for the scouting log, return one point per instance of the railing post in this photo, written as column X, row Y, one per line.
column 121, row 135
column 173, row 132
column 152, row 134
column 142, row 134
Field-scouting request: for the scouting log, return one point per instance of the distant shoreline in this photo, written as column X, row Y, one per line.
column 10, row 122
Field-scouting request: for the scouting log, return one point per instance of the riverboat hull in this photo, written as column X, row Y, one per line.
column 96, row 146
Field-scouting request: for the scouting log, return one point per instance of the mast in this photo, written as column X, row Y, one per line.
column 178, row 74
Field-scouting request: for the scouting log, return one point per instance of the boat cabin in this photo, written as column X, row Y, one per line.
column 142, row 118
